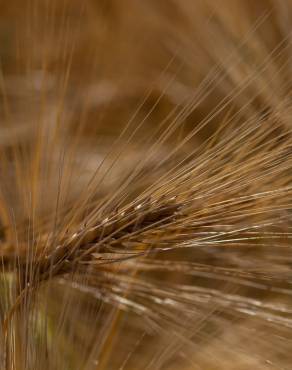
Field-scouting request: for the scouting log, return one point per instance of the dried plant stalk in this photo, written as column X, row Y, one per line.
column 145, row 185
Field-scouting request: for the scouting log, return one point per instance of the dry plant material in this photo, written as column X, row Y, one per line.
column 145, row 185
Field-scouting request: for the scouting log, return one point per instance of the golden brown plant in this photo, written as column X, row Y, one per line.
column 145, row 185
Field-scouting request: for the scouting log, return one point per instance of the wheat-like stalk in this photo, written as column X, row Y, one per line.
column 146, row 185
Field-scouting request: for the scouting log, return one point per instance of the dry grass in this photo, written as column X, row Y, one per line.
column 145, row 185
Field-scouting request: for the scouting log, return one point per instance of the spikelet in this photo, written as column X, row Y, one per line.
column 146, row 185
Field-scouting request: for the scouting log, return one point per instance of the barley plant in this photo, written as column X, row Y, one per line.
column 145, row 185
